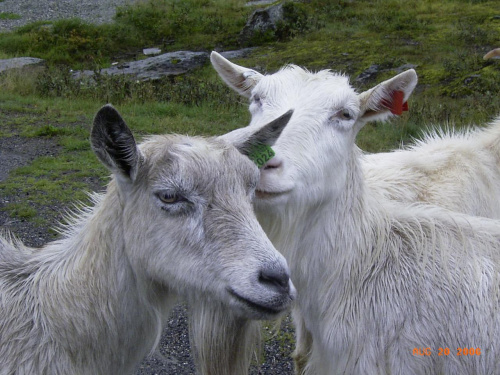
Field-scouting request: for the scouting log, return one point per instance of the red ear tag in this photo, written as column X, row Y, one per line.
column 405, row 107
column 396, row 105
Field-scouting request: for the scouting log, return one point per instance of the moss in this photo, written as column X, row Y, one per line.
column 21, row 210
column 484, row 81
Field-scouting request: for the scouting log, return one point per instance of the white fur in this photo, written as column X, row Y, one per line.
column 455, row 170
column 351, row 249
column 94, row 301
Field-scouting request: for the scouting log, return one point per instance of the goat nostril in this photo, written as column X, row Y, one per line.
column 273, row 164
column 275, row 279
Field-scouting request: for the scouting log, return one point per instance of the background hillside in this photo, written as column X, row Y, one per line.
column 45, row 158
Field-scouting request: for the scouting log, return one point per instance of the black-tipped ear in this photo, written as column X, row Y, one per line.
column 113, row 143
column 266, row 135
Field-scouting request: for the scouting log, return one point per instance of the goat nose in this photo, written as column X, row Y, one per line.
column 279, row 280
column 274, row 163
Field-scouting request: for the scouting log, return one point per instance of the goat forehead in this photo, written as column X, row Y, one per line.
column 199, row 161
column 296, row 83
column 163, row 149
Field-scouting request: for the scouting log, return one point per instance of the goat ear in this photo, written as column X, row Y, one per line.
column 387, row 98
column 266, row 135
column 113, row 143
column 240, row 79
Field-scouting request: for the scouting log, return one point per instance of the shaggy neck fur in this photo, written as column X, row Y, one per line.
column 333, row 231
column 222, row 343
column 115, row 313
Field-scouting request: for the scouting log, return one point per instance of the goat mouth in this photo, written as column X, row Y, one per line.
column 261, row 194
column 261, row 309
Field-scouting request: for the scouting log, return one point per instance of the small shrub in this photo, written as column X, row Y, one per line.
column 48, row 131
column 295, row 21
column 56, row 82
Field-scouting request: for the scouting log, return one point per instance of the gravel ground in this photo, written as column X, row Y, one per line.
column 173, row 354
column 94, row 11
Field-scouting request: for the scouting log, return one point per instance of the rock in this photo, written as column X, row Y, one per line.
column 20, row 62
column 261, row 21
column 237, row 53
column 259, row 2
column 168, row 64
column 471, row 78
column 368, row 74
column 152, row 68
column 151, row 51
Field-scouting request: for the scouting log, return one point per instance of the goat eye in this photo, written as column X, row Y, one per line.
column 342, row 114
column 346, row 115
column 169, row 198
column 256, row 98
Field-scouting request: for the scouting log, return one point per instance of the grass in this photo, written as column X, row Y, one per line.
column 9, row 16
column 445, row 40
column 169, row 25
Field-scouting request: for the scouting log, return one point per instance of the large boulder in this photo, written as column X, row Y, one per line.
column 152, row 68
column 262, row 21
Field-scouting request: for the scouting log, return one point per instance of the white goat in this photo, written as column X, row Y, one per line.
column 177, row 220
column 315, row 98
column 455, row 170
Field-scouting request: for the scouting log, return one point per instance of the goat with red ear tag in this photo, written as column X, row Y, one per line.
column 322, row 210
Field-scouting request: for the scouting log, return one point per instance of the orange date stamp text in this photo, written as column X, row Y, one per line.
column 422, row 352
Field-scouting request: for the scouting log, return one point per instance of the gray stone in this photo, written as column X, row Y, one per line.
column 20, row 62
column 237, row 53
column 151, row 51
column 368, row 74
column 152, row 68
column 471, row 78
column 261, row 21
